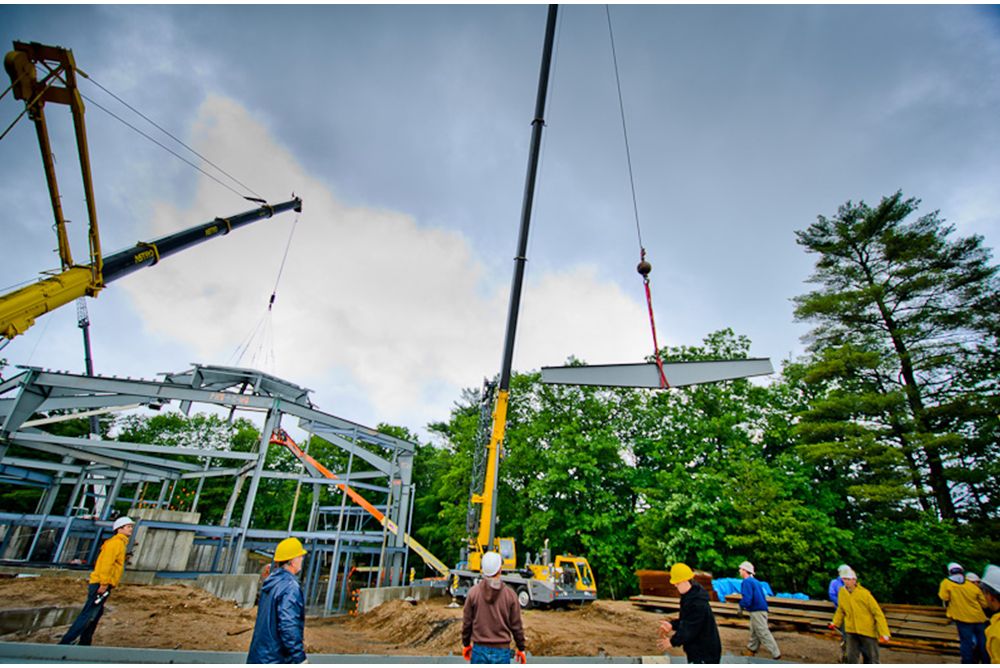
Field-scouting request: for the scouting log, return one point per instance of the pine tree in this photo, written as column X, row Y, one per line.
column 905, row 337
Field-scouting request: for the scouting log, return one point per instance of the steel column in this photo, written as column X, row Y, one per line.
column 201, row 483
column 272, row 421
column 109, row 501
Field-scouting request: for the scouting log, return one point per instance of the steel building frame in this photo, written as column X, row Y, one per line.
column 344, row 536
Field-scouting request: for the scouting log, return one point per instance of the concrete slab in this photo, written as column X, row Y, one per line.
column 242, row 589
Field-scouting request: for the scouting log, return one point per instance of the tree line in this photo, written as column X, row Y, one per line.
column 879, row 447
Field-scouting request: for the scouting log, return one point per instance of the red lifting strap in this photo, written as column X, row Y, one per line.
column 644, row 271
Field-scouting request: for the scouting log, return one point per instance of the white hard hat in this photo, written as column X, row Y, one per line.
column 991, row 578
column 848, row 574
column 954, row 567
column 490, row 565
column 842, row 568
column 748, row 567
column 971, row 577
column 122, row 521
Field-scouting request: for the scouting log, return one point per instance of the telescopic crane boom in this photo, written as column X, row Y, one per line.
column 567, row 579
column 20, row 308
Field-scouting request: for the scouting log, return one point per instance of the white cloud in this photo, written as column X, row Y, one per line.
column 371, row 303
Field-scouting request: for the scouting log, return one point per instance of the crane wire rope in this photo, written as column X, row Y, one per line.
column 166, row 148
column 263, row 331
column 256, row 196
column 644, row 268
column 166, row 132
column 26, row 106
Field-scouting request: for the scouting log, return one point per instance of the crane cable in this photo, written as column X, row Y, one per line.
column 256, row 196
column 264, row 328
column 644, row 267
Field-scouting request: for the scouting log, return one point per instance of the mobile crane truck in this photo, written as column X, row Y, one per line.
column 540, row 582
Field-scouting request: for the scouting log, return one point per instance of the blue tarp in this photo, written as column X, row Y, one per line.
column 726, row 586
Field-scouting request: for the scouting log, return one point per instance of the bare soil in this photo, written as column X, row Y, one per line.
column 184, row 617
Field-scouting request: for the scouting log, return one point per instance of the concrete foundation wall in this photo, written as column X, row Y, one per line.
column 161, row 549
column 202, row 557
column 241, row 589
column 369, row 599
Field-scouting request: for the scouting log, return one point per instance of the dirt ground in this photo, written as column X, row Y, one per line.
column 183, row 617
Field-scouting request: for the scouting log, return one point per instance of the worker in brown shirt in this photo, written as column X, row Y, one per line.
column 492, row 617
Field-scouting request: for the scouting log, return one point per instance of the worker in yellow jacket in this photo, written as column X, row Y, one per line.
column 862, row 618
column 990, row 584
column 964, row 601
column 106, row 575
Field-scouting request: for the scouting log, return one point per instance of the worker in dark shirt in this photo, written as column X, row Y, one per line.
column 696, row 631
column 492, row 618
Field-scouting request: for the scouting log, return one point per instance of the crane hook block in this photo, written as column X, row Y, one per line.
column 644, row 268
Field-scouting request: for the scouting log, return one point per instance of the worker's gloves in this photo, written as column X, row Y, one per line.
column 883, row 639
column 831, row 626
column 520, row 657
column 467, row 652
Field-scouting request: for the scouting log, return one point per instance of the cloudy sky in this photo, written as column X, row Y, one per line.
column 405, row 130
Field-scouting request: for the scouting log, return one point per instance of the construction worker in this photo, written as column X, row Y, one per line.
column 696, row 630
column 964, row 602
column 862, row 618
column 836, row 584
column 990, row 584
column 107, row 573
column 281, row 613
column 491, row 618
column 752, row 600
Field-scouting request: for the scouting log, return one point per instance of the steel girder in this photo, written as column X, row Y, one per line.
column 678, row 374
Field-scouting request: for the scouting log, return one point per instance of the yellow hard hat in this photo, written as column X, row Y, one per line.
column 680, row 572
column 288, row 549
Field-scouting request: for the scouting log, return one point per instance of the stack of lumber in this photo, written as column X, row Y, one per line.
column 913, row 627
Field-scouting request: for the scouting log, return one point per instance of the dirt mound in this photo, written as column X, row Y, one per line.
column 162, row 616
column 425, row 627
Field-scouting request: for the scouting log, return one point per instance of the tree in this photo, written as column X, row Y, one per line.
column 905, row 341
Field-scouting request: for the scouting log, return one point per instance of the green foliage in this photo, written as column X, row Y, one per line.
column 905, row 347
column 905, row 559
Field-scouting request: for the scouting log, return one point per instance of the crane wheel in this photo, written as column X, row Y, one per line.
column 524, row 598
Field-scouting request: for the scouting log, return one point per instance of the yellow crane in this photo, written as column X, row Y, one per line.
column 58, row 84
column 544, row 581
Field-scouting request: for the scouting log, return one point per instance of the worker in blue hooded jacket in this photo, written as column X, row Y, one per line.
column 281, row 613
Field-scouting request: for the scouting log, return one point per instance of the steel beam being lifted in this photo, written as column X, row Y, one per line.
column 678, row 374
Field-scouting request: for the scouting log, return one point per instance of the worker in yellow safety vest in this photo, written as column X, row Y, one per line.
column 863, row 620
column 964, row 602
column 107, row 573
column 990, row 583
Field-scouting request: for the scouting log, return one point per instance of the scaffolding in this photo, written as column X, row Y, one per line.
column 342, row 540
